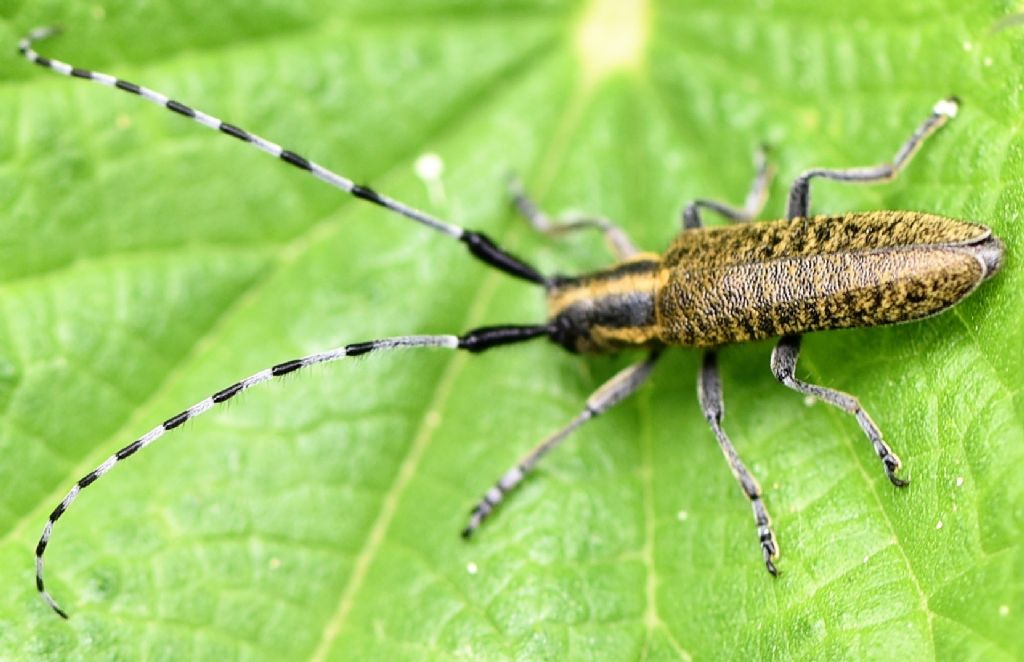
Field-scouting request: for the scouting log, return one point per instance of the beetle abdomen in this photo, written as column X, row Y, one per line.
column 748, row 282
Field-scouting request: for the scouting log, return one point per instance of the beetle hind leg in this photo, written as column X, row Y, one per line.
column 784, row 358
column 709, row 392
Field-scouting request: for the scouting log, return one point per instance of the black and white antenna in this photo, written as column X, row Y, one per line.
column 478, row 244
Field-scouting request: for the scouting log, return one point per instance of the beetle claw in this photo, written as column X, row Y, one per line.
column 892, row 465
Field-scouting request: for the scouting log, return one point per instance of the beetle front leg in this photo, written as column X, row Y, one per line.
column 709, row 392
column 784, row 358
column 752, row 206
column 618, row 241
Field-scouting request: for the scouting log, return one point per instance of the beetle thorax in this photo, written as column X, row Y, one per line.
column 607, row 310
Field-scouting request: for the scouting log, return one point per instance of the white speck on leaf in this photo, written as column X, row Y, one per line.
column 429, row 167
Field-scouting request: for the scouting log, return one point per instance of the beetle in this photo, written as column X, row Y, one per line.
column 712, row 287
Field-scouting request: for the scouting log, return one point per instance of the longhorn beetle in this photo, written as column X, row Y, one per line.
column 712, row 287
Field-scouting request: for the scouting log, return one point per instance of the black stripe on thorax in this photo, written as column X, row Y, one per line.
column 620, row 311
column 574, row 326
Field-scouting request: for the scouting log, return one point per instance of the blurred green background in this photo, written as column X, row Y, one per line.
column 146, row 262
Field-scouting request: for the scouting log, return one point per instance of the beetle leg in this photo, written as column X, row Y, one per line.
column 784, row 358
column 612, row 392
column 800, row 193
column 752, row 206
column 621, row 246
column 709, row 392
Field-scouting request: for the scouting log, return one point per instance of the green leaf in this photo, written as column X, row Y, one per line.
column 146, row 262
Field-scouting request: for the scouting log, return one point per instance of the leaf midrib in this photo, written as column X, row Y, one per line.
column 547, row 165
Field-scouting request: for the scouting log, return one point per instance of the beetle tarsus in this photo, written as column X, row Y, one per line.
column 765, row 535
column 892, row 464
column 476, row 517
column 770, row 551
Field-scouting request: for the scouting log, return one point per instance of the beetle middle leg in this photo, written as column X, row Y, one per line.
column 752, row 206
column 709, row 392
column 784, row 358
column 618, row 241
column 611, row 393
column 800, row 193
